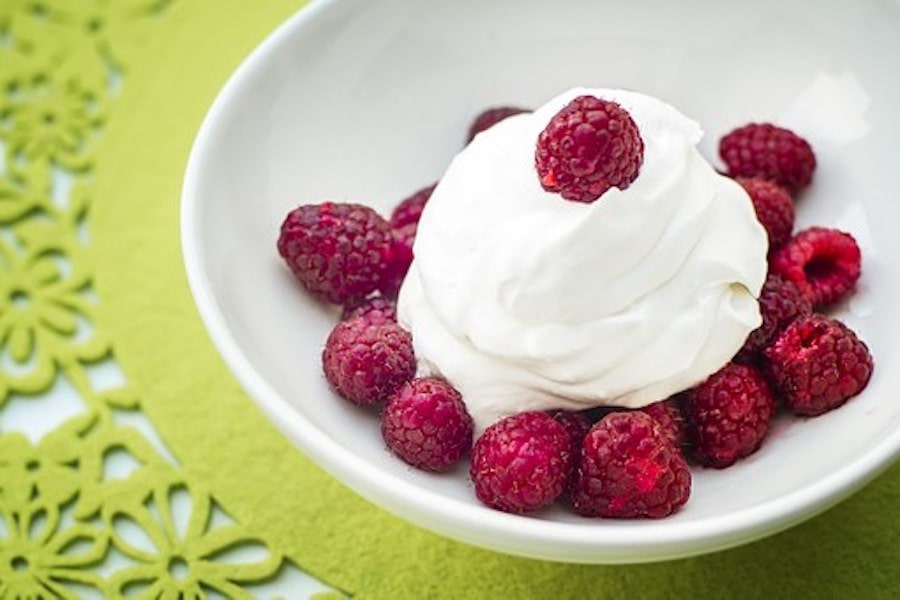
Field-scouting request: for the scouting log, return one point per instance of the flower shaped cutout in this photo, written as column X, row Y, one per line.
column 36, row 473
column 38, row 556
column 49, row 120
column 183, row 550
column 44, row 315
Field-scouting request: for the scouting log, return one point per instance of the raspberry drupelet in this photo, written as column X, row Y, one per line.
column 427, row 425
column 728, row 415
column 588, row 147
column 817, row 364
column 338, row 251
column 770, row 152
column 629, row 469
column 522, row 463
column 367, row 357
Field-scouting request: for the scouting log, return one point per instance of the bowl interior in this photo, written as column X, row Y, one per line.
column 369, row 101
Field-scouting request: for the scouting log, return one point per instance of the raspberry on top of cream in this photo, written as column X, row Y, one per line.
column 527, row 301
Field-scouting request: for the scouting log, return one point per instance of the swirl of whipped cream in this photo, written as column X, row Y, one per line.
column 526, row 301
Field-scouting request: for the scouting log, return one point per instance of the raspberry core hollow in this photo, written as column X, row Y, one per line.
column 527, row 301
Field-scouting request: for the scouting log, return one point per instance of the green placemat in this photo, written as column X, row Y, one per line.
column 173, row 62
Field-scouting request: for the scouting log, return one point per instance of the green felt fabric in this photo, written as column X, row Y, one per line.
column 852, row 551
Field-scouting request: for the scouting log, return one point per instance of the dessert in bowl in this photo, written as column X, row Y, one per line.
column 532, row 302
column 394, row 87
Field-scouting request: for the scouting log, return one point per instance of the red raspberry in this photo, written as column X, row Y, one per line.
column 728, row 415
column 371, row 307
column 427, row 425
column 771, row 152
column 491, row 117
column 577, row 424
column 410, row 209
column 396, row 267
column 824, row 263
column 367, row 359
column 629, row 469
column 780, row 302
column 590, row 146
column 817, row 364
column 404, row 222
column 668, row 414
column 774, row 208
column 338, row 251
column 521, row 463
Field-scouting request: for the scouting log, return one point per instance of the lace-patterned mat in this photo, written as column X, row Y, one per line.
column 92, row 502
column 100, row 103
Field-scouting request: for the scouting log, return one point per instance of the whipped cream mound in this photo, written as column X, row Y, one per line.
column 526, row 301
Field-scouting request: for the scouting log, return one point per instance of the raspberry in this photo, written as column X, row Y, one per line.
column 396, row 267
column 426, row 424
column 780, row 302
column 522, row 463
column 404, row 223
column 491, row 117
column 817, row 364
column 771, row 152
column 338, row 251
column 410, row 209
column 588, row 147
column 371, row 307
column 629, row 469
column 577, row 424
column 824, row 263
column 668, row 414
column 728, row 415
column 367, row 359
column 774, row 208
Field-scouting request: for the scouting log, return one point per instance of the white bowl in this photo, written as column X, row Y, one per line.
column 368, row 101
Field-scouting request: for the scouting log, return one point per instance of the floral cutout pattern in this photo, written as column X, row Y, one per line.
column 182, row 561
column 38, row 555
column 94, row 505
column 44, row 311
